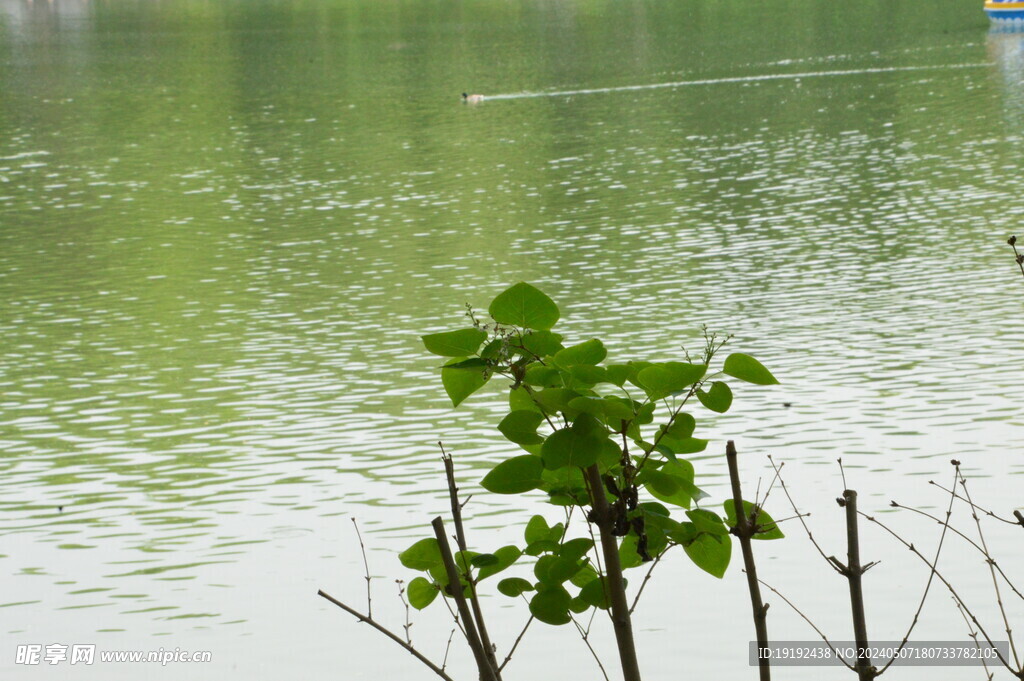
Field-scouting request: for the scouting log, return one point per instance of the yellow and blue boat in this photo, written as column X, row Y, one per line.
column 1005, row 11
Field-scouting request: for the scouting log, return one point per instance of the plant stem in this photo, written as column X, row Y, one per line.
column 369, row 620
column 460, row 537
column 744, row 530
column 487, row 672
column 853, row 572
column 613, row 577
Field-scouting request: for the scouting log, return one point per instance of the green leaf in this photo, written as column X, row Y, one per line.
column 672, row 483
column 561, row 569
column 684, row 533
column 551, row 605
column 542, row 546
column 586, row 575
column 506, row 556
column 478, row 363
column 521, row 427
column 682, row 426
column 542, row 376
column 455, row 343
column 574, row 549
column 422, row 592
column 588, row 352
column 519, row 400
column 690, row 445
column 718, row 398
column 525, row 306
column 514, row 476
column 710, row 553
column 588, row 405
column 618, row 408
column 707, row 521
column 461, row 383
column 537, row 530
column 746, row 368
column 541, row 343
column 768, row 528
column 493, row 349
column 484, row 559
column 662, row 380
column 554, row 400
column 578, row 445
column 619, row 373
column 662, row 485
column 588, row 375
column 422, row 555
column 628, row 555
column 514, row 586
column 543, row 566
column 578, row 606
column 595, row 594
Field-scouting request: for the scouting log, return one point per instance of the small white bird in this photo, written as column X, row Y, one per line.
column 472, row 99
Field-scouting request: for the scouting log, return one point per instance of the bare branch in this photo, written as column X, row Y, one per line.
column 487, row 672
column 460, row 535
column 948, row 585
column 808, row 620
column 990, row 514
column 366, row 565
column 1016, row 256
column 516, row 644
column 647, row 577
column 448, row 647
column 586, row 641
column 369, row 620
column 928, row 584
column 973, row 635
column 854, row 573
column 778, row 472
column 744, row 530
column 991, row 568
column 967, row 539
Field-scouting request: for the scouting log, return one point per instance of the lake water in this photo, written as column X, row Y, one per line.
column 223, row 227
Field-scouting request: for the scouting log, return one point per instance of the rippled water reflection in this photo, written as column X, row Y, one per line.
column 223, row 228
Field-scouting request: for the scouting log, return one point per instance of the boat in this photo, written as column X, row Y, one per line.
column 1005, row 12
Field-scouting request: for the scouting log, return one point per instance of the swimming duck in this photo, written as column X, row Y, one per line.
column 472, row 99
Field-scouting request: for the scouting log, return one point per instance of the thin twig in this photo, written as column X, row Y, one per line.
column 992, row 570
column 586, row 641
column 516, row 644
column 967, row 539
column 768, row 492
column 927, row 586
column 808, row 620
column 448, row 647
column 949, row 587
column 791, row 517
column 369, row 620
column 647, row 577
column 799, row 515
column 1016, row 256
column 366, row 565
column 971, row 633
column 455, row 616
column 987, row 512
column 401, row 597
